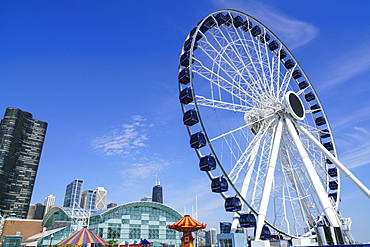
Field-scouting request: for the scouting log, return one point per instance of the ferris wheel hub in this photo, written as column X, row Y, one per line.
column 253, row 120
column 294, row 105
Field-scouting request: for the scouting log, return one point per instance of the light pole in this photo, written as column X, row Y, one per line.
column 51, row 238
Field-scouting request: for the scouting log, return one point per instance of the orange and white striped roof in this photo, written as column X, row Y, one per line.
column 187, row 224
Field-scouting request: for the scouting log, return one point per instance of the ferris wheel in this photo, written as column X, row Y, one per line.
column 259, row 129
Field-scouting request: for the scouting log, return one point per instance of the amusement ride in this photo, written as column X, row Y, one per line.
column 260, row 131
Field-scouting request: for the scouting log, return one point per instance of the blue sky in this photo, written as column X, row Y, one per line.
column 103, row 74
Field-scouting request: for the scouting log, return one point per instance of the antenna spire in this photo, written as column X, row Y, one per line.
column 157, row 182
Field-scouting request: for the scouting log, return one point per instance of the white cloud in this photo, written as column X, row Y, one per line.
column 292, row 32
column 357, row 144
column 353, row 62
column 145, row 168
column 356, row 116
column 130, row 142
column 124, row 140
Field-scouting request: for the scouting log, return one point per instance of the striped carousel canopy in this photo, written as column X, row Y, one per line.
column 83, row 236
column 187, row 224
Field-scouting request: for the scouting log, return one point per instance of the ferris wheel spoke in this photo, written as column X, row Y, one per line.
column 244, row 44
column 234, row 44
column 299, row 198
column 270, row 73
column 225, row 62
column 285, row 82
column 228, row 86
column 240, row 128
column 295, row 205
column 253, row 60
column 275, row 77
column 203, row 101
column 234, row 50
column 227, row 66
column 247, row 180
column 305, row 191
column 264, row 64
column 249, row 152
column 225, row 85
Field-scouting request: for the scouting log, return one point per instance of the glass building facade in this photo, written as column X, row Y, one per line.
column 21, row 142
column 127, row 222
column 72, row 197
column 88, row 199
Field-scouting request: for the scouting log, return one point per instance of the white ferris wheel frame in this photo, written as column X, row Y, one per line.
column 238, row 67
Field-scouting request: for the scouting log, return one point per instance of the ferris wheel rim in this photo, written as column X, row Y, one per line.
column 203, row 128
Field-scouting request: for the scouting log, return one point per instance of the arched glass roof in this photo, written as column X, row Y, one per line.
column 58, row 213
column 154, row 205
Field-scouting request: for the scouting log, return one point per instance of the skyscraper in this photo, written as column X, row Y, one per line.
column 39, row 211
column 211, row 236
column 101, row 198
column 72, row 197
column 21, row 142
column 88, row 199
column 49, row 202
column 157, row 195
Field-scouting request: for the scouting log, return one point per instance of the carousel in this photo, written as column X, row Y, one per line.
column 83, row 236
column 187, row 225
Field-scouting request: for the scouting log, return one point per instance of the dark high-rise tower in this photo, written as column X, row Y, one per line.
column 157, row 195
column 21, row 142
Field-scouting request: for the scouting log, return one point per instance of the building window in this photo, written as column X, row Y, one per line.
column 135, row 231
column 153, row 233
column 226, row 243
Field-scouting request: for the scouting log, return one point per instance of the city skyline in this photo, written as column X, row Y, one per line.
column 104, row 76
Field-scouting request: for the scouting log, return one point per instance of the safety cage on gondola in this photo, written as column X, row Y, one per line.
column 207, row 163
column 247, row 220
column 219, row 184
column 233, row 204
column 265, row 233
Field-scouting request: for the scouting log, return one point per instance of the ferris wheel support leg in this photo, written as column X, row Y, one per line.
column 336, row 162
column 246, row 182
column 328, row 209
column 269, row 179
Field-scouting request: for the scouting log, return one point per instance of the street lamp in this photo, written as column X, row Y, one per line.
column 51, row 238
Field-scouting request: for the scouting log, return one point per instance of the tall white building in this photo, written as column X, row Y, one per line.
column 101, row 198
column 200, row 237
column 49, row 202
